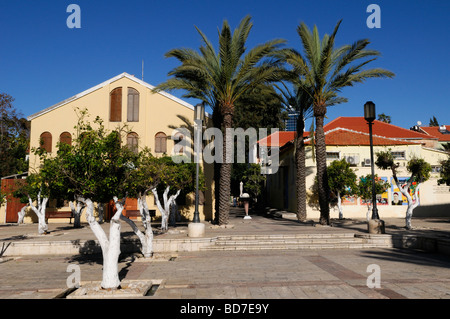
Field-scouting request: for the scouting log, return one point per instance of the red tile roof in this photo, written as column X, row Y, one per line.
column 280, row 138
column 344, row 136
column 379, row 128
column 434, row 131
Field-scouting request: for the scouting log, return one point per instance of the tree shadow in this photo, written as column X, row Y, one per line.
column 412, row 256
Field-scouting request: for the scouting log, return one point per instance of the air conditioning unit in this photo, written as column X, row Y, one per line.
column 367, row 162
column 352, row 160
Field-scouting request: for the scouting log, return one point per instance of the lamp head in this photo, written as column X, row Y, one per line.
column 369, row 111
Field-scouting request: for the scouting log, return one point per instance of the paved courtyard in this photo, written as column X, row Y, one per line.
column 258, row 274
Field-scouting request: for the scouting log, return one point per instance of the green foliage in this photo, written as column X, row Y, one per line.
column 14, row 138
column 341, row 178
column 365, row 187
column 384, row 118
column 445, row 172
column 419, row 168
column 433, row 121
column 251, row 177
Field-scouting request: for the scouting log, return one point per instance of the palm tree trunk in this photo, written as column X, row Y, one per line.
column 301, row 170
column 225, row 173
column 322, row 178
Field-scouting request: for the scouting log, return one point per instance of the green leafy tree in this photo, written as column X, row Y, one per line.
column 364, row 190
column 14, row 138
column 297, row 100
column 445, row 172
column 384, row 118
column 433, row 121
column 326, row 71
column 420, row 172
column 96, row 166
column 220, row 78
column 342, row 181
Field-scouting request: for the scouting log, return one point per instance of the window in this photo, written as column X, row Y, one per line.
column 132, row 141
column 398, row 155
column 161, row 143
column 436, row 169
column 115, row 112
column 66, row 138
column 333, row 156
column 46, row 141
column 133, row 105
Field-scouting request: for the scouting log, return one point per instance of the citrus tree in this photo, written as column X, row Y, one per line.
column 342, row 181
column 420, row 172
column 364, row 190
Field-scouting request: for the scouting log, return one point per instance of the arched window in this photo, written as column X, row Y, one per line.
column 133, row 105
column 66, row 138
column 46, row 141
column 160, row 143
column 115, row 111
column 132, row 141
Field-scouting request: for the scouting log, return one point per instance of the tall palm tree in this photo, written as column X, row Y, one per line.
column 297, row 100
column 326, row 71
column 220, row 79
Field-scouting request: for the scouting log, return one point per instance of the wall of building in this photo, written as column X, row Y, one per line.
column 157, row 113
column 434, row 199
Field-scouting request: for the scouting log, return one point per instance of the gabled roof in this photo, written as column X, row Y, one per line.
column 337, row 136
column 280, row 138
column 346, row 137
column 434, row 131
column 379, row 128
column 99, row 86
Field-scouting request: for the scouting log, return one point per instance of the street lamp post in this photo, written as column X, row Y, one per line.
column 375, row 225
column 369, row 115
column 199, row 115
column 196, row 228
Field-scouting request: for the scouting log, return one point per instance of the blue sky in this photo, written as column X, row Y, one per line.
column 43, row 62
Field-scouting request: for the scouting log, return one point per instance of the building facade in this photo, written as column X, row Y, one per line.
column 348, row 138
column 123, row 100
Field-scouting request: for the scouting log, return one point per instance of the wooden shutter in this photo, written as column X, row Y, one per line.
column 132, row 141
column 133, row 105
column 115, row 114
column 66, row 138
column 161, row 143
column 46, row 141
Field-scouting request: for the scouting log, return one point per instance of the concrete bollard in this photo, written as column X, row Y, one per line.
column 196, row 230
column 376, row 226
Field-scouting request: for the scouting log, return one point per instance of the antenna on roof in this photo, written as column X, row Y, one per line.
column 142, row 69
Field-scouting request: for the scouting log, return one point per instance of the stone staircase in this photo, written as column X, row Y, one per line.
column 300, row 241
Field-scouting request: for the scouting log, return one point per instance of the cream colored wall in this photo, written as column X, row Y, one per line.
column 434, row 199
column 156, row 113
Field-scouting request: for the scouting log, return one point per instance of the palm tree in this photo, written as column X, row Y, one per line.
column 220, row 79
column 296, row 100
column 326, row 71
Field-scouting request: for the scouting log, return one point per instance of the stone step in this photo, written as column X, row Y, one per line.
column 299, row 241
column 354, row 245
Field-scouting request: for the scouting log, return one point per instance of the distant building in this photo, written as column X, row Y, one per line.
column 348, row 138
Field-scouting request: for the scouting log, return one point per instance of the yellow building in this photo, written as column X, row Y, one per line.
column 121, row 100
column 348, row 137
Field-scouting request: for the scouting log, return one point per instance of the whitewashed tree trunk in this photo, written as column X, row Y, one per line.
column 110, row 247
column 101, row 213
column 21, row 214
column 76, row 212
column 40, row 212
column 412, row 204
column 369, row 209
column 341, row 215
column 165, row 212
